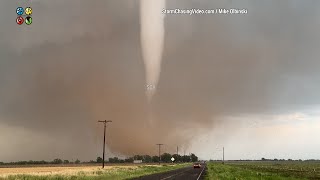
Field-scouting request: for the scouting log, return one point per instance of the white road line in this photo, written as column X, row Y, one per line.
column 201, row 173
column 174, row 175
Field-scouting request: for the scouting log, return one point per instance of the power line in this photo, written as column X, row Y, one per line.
column 104, row 139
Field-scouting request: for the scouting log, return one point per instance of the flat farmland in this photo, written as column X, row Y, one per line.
column 85, row 172
column 260, row 170
column 56, row 170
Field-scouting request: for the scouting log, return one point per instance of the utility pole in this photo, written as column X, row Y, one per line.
column 159, row 152
column 223, row 155
column 178, row 159
column 104, row 139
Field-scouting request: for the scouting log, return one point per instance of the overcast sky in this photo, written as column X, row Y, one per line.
column 249, row 83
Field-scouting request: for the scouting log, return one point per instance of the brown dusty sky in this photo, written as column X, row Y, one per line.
column 81, row 62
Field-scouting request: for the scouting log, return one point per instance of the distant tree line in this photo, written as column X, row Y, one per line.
column 166, row 158
column 55, row 161
column 275, row 159
column 264, row 159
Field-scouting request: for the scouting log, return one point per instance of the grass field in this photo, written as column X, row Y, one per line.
column 264, row 170
column 84, row 172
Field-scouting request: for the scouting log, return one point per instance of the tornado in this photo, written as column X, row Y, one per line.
column 152, row 39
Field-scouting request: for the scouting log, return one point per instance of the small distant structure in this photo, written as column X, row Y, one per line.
column 137, row 161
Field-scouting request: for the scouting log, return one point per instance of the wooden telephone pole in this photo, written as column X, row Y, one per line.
column 223, row 155
column 104, row 139
column 159, row 152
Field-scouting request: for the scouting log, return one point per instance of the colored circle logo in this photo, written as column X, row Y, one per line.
column 28, row 20
column 28, row 11
column 19, row 20
column 19, row 11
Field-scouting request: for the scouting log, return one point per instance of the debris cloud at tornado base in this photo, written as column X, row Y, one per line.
column 59, row 84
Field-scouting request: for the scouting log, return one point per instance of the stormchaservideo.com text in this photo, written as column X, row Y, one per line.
column 205, row 11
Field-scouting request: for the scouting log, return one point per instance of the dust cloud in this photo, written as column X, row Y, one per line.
column 59, row 77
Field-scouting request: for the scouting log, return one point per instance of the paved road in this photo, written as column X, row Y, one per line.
column 187, row 173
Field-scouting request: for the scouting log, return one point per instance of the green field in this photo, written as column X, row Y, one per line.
column 272, row 170
column 112, row 174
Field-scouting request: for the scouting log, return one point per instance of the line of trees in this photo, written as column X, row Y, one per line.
column 55, row 161
column 275, row 159
column 264, row 159
column 166, row 157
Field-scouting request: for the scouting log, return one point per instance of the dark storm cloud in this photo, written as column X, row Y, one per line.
column 87, row 65
column 252, row 63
